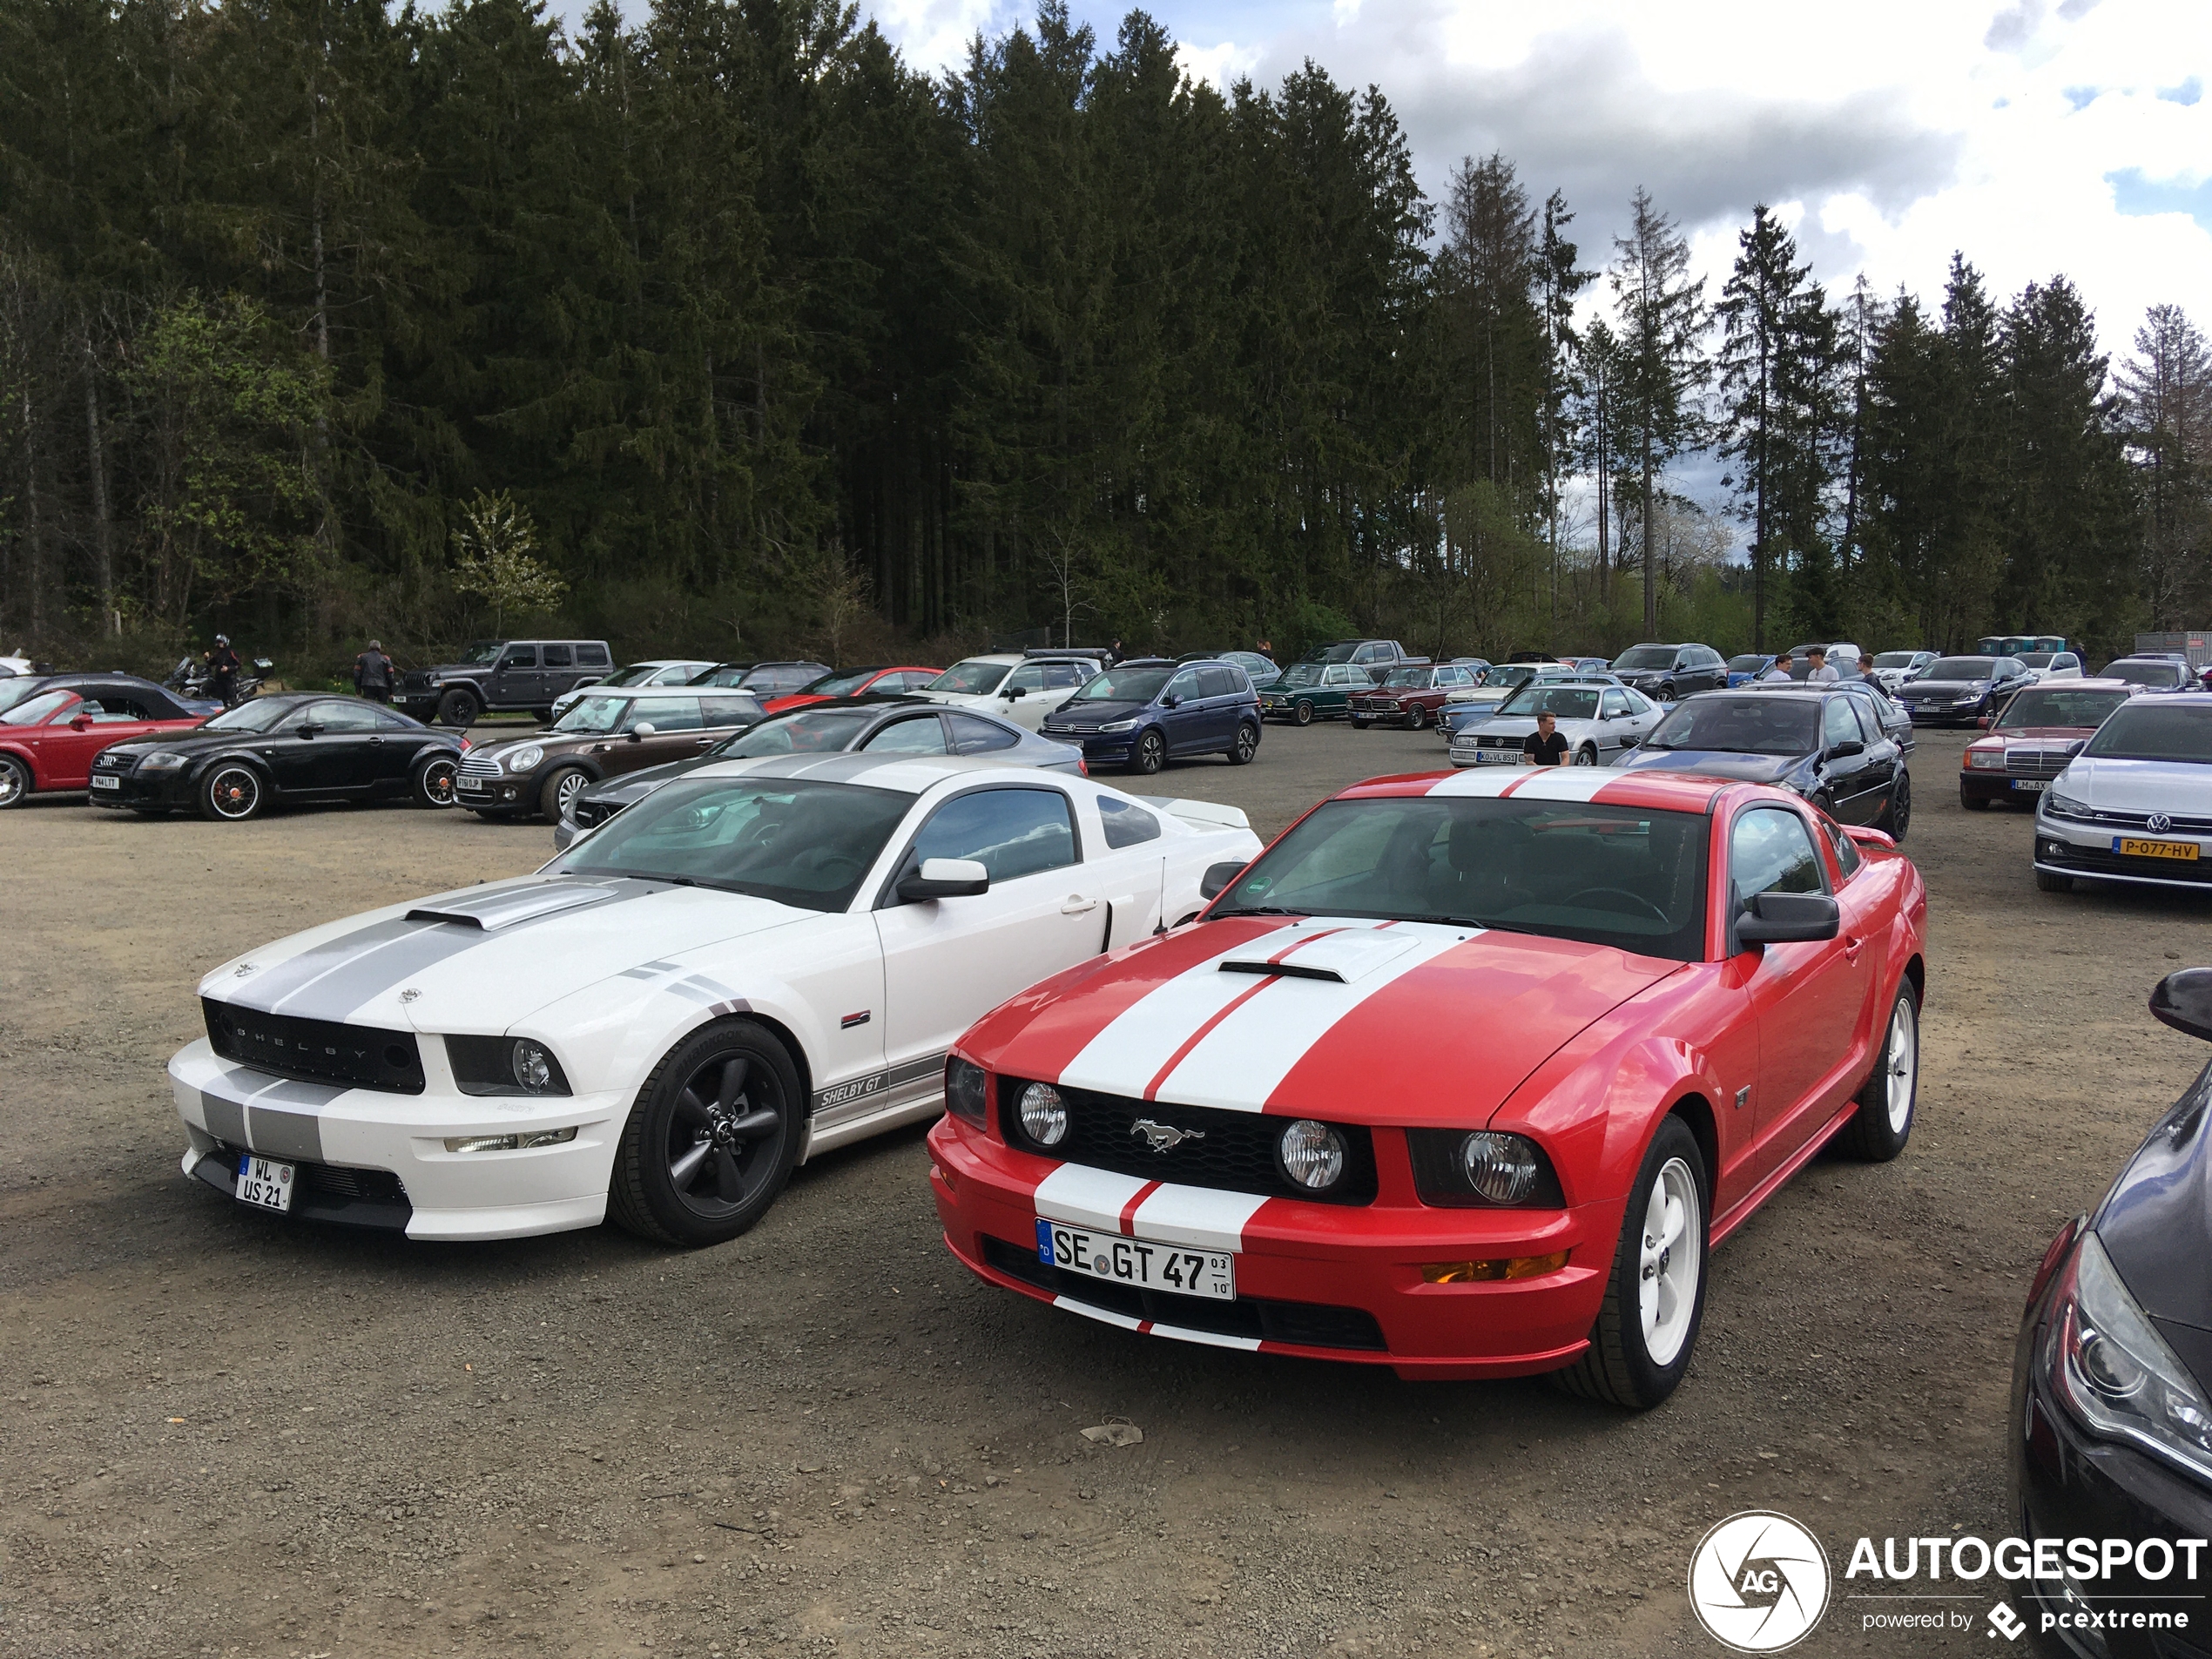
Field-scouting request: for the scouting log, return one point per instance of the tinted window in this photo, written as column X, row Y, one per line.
column 1759, row 724
column 1218, row 682
column 1645, row 657
column 1012, row 833
column 664, row 713
column 1846, row 850
column 592, row 655
column 1058, row 676
column 519, row 657
column 559, row 657
column 1961, row 668
column 1029, row 677
column 2159, row 674
column 975, row 737
column 923, row 735
column 807, row 732
column 973, row 678
column 728, row 711
column 258, row 716
column 106, row 708
column 2153, row 729
column 1127, row 824
column 389, row 718
column 1769, row 852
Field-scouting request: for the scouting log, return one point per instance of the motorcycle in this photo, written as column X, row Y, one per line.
column 192, row 680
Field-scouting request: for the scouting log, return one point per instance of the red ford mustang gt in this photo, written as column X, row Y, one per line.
column 1464, row 1076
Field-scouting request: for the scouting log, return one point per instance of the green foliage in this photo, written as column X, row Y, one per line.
column 493, row 546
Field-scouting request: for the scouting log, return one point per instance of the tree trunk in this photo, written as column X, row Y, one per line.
column 1650, row 571
column 35, row 538
column 103, row 540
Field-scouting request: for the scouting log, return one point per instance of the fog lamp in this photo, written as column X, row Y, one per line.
column 521, row 1141
column 1313, row 1154
column 1044, row 1116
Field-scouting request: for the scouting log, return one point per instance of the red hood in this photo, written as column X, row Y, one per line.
column 2038, row 734
column 1412, row 1022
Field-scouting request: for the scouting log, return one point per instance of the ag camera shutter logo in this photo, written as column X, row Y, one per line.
column 1758, row 1581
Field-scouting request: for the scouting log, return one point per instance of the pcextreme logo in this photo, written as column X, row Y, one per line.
column 1758, row 1581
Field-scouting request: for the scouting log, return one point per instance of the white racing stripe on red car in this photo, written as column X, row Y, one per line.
column 1202, row 1217
column 1147, row 1327
column 1133, row 1047
column 1086, row 1197
column 1530, row 783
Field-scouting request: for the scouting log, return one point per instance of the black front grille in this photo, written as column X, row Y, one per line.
column 590, row 814
column 1234, row 1152
column 323, row 1051
column 1310, row 1324
column 323, row 1192
column 115, row 760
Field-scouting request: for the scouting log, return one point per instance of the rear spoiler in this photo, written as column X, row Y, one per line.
column 1206, row 813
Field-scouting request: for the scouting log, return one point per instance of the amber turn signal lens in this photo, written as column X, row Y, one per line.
column 1475, row 1272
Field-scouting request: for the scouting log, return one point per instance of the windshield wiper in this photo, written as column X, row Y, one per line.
column 1487, row 927
column 1260, row 910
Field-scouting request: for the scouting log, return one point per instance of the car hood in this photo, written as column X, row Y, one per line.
column 2156, row 1225
column 1522, row 725
column 1407, row 1022
column 2139, row 785
column 1097, row 714
column 1712, row 763
column 2040, row 734
column 630, row 785
column 1922, row 688
column 545, row 738
column 477, row 960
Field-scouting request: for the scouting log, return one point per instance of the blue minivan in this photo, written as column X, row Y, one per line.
column 1144, row 713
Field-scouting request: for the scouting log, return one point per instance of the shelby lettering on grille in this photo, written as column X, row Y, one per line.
column 323, row 1051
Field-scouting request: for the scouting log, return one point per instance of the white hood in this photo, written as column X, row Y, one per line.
column 2176, row 786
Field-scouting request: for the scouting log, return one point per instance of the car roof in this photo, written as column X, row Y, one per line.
column 908, row 774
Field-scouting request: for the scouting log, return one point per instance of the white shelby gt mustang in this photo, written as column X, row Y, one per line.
column 757, row 962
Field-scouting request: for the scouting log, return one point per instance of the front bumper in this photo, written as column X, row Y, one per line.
column 339, row 1136
column 1985, row 784
column 1945, row 713
column 2068, row 1484
column 141, row 788
column 2064, row 848
column 1317, row 1281
column 505, row 794
column 1107, row 748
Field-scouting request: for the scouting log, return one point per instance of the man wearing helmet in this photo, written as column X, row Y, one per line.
column 222, row 672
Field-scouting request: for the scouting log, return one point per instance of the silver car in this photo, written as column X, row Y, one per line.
column 1600, row 723
column 2134, row 804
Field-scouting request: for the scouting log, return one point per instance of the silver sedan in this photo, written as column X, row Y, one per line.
column 1600, row 723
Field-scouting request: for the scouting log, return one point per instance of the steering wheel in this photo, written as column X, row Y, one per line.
column 1620, row 893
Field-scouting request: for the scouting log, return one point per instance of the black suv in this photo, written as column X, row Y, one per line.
column 1665, row 672
column 497, row 675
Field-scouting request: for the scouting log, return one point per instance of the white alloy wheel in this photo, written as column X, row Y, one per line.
column 1901, row 1062
column 1669, row 1262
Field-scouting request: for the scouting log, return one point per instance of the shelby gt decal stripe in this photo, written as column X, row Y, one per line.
column 899, row 1079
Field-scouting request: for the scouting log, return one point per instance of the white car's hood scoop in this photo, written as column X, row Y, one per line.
column 504, row 907
column 1342, row 951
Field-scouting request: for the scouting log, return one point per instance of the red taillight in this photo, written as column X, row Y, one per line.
column 464, row 745
column 1083, row 766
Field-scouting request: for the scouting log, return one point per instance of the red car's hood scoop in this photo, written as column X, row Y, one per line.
column 1404, row 1023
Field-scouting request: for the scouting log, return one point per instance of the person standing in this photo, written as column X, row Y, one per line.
column 1866, row 666
column 1818, row 672
column 1779, row 674
column 223, row 665
column 1544, row 747
column 373, row 673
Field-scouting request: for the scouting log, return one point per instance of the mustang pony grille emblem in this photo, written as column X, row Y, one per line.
column 1164, row 1138
column 2158, row 823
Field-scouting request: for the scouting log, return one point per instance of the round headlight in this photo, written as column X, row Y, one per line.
column 1313, row 1154
column 1502, row 1167
column 1044, row 1117
column 523, row 758
column 533, row 1067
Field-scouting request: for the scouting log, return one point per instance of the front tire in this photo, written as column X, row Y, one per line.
column 1302, row 712
column 434, row 781
column 15, row 782
column 1973, row 803
column 233, row 792
column 1246, row 747
column 563, row 786
column 1655, row 1301
column 1359, row 724
column 1668, row 693
column 712, row 1140
column 1585, row 756
column 1149, row 755
column 1416, row 717
column 459, row 707
column 1883, row 1123
column 1897, row 815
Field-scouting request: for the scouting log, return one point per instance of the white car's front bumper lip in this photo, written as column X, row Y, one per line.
column 448, row 1195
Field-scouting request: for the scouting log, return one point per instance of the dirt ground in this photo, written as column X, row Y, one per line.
column 225, row 1435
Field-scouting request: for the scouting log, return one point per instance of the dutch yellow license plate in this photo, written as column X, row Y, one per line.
column 2129, row 846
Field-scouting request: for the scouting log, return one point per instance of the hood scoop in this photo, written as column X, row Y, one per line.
column 504, row 908
column 1342, row 955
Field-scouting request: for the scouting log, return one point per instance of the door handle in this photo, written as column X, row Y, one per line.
column 1851, row 948
column 1077, row 905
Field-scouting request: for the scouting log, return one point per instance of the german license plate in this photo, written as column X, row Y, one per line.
column 2033, row 785
column 99, row 781
column 2130, row 848
column 1138, row 1261
column 265, row 1183
column 1497, row 757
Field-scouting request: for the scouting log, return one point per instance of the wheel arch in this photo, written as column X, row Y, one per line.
column 21, row 752
column 1697, row 1113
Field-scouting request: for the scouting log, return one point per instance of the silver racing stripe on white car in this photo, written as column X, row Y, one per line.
column 876, row 1088
column 278, row 1118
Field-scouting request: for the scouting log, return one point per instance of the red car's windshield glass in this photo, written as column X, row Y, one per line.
column 35, row 709
column 2050, row 706
column 1611, row 875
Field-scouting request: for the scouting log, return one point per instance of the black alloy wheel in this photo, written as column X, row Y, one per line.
column 1247, row 743
column 1897, row 815
column 1416, row 717
column 712, row 1139
column 1150, row 753
column 434, row 781
column 459, row 707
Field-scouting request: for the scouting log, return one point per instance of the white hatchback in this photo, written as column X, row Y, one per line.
column 2134, row 804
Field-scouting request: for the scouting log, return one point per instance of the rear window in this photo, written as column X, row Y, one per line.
column 2146, row 673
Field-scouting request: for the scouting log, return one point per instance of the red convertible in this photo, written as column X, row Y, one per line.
column 48, row 739
column 1464, row 1076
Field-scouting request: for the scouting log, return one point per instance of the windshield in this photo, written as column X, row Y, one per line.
column 1567, row 702
column 1123, row 685
column 2050, row 707
column 33, row 711
column 1342, row 652
column 1513, row 674
column 1302, row 674
column 803, row 843
column 1645, row 657
column 843, row 684
column 1960, row 668
column 809, row 731
column 2144, row 673
column 1747, row 665
column 14, row 690
column 1896, row 659
column 594, row 714
column 1611, row 875
column 973, row 678
column 257, row 716
column 484, row 651
column 2153, row 729
column 1407, row 679
column 2038, row 658
column 1741, row 726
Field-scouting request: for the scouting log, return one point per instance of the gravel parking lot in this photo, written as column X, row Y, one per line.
column 231, row 1435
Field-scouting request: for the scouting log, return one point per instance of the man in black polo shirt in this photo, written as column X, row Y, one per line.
column 1544, row 747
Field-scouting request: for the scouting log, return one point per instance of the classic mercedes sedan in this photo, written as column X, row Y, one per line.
column 1465, row 1077
column 755, row 963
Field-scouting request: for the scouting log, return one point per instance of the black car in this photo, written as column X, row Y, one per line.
column 497, row 675
column 1895, row 721
column 1666, row 673
column 876, row 723
column 1822, row 742
column 1143, row 714
column 1958, row 691
column 2112, row 1389
column 764, row 680
column 297, row 746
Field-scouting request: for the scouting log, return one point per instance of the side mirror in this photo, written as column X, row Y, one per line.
column 1170, row 701
column 1788, row 919
column 643, row 730
column 945, row 879
column 1012, row 691
column 81, row 723
column 2183, row 1000
column 2076, row 747
column 1218, row 878
column 1846, row 749
column 310, row 729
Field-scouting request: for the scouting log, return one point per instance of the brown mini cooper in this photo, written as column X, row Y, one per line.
column 603, row 735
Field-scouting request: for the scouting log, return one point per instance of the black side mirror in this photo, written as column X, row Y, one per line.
column 1788, row 919
column 2183, row 1000
column 310, row 729
column 1170, row 701
column 1012, row 691
column 1218, row 878
column 1847, row 748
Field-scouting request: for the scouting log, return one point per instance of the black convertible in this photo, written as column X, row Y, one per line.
column 275, row 750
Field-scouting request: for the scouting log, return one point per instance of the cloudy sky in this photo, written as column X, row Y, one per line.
column 2041, row 136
